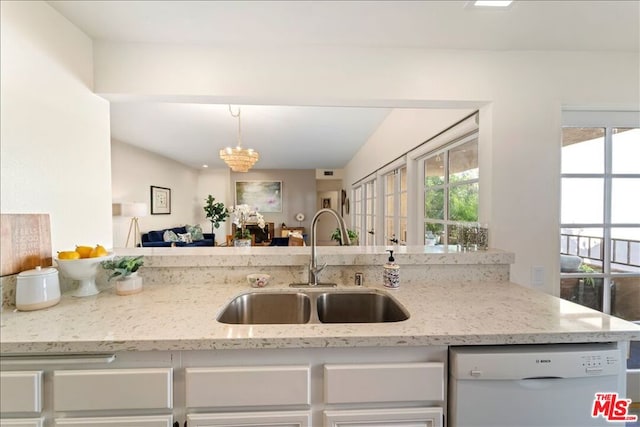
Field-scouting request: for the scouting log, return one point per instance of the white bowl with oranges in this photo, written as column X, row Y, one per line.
column 82, row 265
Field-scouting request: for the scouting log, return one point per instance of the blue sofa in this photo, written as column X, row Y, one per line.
column 154, row 239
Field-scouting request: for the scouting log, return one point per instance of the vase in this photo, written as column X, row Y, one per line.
column 129, row 285
column 241, row 242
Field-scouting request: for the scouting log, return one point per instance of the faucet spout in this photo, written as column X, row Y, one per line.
column 314, row 270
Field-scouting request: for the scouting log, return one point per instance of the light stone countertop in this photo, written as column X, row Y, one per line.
column 183, row 317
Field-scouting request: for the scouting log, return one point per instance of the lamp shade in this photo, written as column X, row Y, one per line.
column 135, row 210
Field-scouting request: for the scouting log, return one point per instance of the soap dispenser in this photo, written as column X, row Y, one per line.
column 391, row 273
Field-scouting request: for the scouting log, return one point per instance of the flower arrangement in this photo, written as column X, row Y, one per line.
column 243, row 214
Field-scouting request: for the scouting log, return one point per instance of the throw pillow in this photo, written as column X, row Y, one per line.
column 185, row 237
column 170, row 236
column 195, row 231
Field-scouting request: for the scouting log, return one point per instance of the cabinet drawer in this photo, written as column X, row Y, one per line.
column 388, row 382
column 401, row 417
column 247, row 386
column 20, row 391
column 251, row 419
column 112, row 389
column 22, row 422
column 142, row 421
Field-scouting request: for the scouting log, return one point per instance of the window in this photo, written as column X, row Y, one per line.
column 450, row 188
column 364, row 211
column 600, row 221
column 427, row 189
column 395, row 206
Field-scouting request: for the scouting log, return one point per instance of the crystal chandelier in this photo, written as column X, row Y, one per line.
column 239, row 159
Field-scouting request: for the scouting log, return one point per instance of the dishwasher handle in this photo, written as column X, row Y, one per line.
column 538, row 383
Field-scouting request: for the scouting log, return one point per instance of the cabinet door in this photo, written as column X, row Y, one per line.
column 252, row 419
column 22, row 422
column 87, row 390
column 401, row 417
column 141, row 421
column 20, row 391
column 385, row 382
column 247, row 386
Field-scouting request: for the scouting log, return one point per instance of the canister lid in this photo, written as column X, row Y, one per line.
column 38, row 271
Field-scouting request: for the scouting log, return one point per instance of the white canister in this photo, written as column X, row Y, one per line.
column 37, row 288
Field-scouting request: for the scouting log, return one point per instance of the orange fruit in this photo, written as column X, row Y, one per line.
column 84, row 251
column 98, row 251
column 68, row 255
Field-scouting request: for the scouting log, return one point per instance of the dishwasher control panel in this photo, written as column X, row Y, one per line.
column 534, row 361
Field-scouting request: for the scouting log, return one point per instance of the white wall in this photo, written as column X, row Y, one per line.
column 521, row 93
column 402, row 130
column 54, row 131
column 216, row 183
column 135, row 170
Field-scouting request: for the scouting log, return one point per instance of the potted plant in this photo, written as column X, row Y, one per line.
column 588, row 290
column 215, row 212
column 586, row 268
column 125, row 271
column 353, row 236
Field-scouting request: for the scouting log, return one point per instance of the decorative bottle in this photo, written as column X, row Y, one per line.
column 391, row 273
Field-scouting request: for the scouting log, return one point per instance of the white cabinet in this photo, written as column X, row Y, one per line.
column 383, row 382
column 357, row 388
column 400, row 417
column 141, row 421
column 20, row 391
column 22, row 422
column 102, row 389
column 252, row 419
column 294, row 387
column 98, row 390
column 247, row 386
column 21, row 394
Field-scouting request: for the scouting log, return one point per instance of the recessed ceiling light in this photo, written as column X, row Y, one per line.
column 492, row 3
column 205, row 166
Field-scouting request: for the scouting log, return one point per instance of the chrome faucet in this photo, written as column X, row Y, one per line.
column 314, row 270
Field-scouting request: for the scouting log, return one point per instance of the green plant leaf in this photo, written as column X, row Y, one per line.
column 123, row 266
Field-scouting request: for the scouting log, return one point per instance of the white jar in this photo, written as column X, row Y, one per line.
column 37, row 288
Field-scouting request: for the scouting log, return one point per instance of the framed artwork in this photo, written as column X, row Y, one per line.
column 160, row 200
column 326, row 203
column 265, row 196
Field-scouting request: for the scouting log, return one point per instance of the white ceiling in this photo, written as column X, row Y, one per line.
column 285, row 137
column 323, row 137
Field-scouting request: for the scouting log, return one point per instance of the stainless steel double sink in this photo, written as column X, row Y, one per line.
column 369, row 306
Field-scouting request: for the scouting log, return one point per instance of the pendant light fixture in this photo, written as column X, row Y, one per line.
column 239, row 159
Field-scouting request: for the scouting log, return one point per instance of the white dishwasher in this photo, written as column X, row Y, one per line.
column 544, row 385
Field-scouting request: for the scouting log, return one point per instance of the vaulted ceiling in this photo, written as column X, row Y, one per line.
column 324, row 137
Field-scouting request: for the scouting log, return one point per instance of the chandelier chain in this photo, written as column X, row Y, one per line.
column 239, row 159
column 239, row 125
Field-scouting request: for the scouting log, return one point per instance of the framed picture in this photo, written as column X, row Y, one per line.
column 160, row 201
column 326, row 203
column 265, row 196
